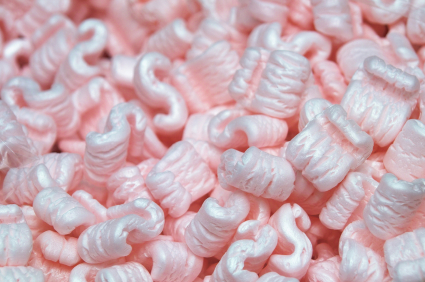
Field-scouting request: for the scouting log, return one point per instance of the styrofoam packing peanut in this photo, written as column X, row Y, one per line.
column 223, row 140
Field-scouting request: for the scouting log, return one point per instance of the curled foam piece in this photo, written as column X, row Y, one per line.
column 171, row 261
column 393, row 205
column 382, row 12
column 176, row 227
column 403, row 158
column 415, row 27
column 41, row 128
column 360, row 263
column 173, row 40
column 294, row 249
column 91, row 204
column 52, row 42
column 85, row 272
column 58, row 209
column 400, row 51
column 15, row 49
column 259, row 209
column 94, row 100
column 54, row 102
column 265, row 238
column 158, row 95
column 57, row 248
column 151, row 222
column 270, row 83
column 343, row 202
column 132, row 223
column 22, row 274
column 394, row 94
column 15, row 237
column 369, row 186
column 63, row 170
column 256, row 172
column 180, row 178
column 36, row 225
column 247, row 256
column 15, row 147
column 331, row 80
column 307, row 196
column 411, row 270
column 40, row 10
column 352, row 54
column 21, row 185
column 157, row 14
column 301, row 14
column 153, row 147
column 53, row 271
column 326, row 270
column 212, row 30
column 407, row 247
column 108, row 240
column 126, row 35
column 208, row 152
column 78, row 67
column 274, row 277
column 126, row 185
column 214, row 225
column 235, row 128
column 333, row 19
column 230, row 267
column 358, row 231
column 123, row 137
column 343, row 147
column 310, row 110
column 316, row 46
column 127, row 272
column 12, row 52
column 198, row 81
column 261, row 11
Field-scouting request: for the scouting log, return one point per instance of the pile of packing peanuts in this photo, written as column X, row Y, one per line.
column 212, row 140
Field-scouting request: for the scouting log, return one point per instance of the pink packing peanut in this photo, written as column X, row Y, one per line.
column 245, row 172
column 54, row 102
column 127, row 129
column 122, row 137
column 58, row 209
column 329, row 128
column 15, row 236
column 52, row 42
column 58, row 248
column 180, row 178
column 171, row 261
column 201, row 227
column 131, row 271
column 22, row 273
column 294, row 249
